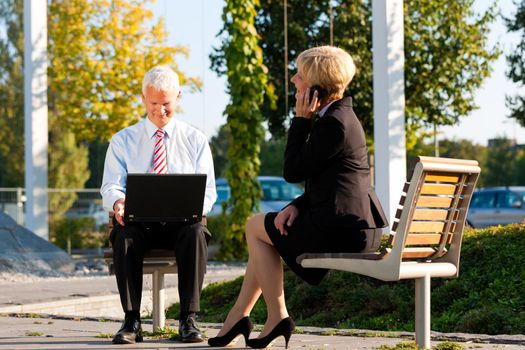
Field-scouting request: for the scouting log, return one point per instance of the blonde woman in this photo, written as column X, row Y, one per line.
column 330, row 155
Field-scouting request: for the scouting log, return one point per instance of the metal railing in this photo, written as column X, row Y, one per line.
column 88, row 202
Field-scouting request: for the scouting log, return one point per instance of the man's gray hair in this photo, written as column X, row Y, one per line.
column 161, row 78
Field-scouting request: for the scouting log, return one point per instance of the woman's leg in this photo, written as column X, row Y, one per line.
column 250, row 292
column 268, row 271
column 268, row 278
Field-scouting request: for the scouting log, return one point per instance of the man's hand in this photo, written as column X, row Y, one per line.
column 286, row 217
column 118, row 208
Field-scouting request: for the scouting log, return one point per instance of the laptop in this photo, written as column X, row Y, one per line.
column 164, row 197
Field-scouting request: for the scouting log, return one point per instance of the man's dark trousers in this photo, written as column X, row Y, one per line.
column 190, row 243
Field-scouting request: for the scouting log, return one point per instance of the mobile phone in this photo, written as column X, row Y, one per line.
column 321, row 93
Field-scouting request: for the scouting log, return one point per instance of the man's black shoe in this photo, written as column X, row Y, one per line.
column 129, row 333
column 189, row 333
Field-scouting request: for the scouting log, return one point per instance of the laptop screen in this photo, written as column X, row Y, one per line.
column 164, row 197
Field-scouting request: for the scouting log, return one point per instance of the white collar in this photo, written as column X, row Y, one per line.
column 325, row 108
column 151, row 128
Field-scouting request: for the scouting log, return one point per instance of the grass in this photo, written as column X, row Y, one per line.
column 410, row 345
column 487, row 298
column 163, row 333
column 105, row 335
column 34, row 334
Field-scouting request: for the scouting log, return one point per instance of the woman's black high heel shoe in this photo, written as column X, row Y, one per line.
column 284, row 328
column 243, row 327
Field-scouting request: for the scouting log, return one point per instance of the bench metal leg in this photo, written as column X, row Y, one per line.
column 159, row 319
column 423, row 312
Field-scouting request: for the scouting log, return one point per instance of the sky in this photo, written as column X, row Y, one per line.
column 195, row 24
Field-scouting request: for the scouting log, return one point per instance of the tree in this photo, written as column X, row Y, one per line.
column 461, row 149
column 269, row 26
column 219, row 145
column 99, row 52
column 272, row 157
column 271, row 154
column 502, row 167
column 247, row 85
column 447, row 60
column 68, row 168
column 516, row 61
column 67, row 160
column 11, row 94
column 445, row 52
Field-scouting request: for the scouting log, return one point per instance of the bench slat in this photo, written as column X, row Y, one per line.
column 434, row 202
column 424, row 238
column 442, row 177
column 429, row 226
column 431, row 188
column 430, row 214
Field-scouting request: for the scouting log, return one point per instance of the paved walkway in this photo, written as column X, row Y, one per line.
column 95, row 296
column 80, row 333
column 48, row 323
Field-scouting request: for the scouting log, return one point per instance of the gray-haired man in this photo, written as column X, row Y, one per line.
column 157, row 144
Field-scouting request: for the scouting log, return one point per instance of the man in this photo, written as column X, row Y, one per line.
column 157, row 144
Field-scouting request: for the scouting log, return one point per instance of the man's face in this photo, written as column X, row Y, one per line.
column 160, row 105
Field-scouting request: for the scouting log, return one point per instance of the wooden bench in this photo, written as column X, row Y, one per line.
column 426, row 235
column 157, row 262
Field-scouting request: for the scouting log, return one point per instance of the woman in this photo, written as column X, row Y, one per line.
column 330, row 155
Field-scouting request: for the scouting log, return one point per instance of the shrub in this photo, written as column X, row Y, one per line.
column 486, row 298
column 80, row 233
column 219, row 227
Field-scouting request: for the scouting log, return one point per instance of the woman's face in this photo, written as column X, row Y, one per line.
column 300, row 84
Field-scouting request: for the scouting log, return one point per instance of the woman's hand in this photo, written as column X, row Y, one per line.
column 305, row 108
column 285, row 219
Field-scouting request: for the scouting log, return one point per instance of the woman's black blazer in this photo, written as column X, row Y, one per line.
column 331, row 157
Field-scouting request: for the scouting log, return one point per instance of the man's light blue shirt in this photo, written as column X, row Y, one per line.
column 131, row 151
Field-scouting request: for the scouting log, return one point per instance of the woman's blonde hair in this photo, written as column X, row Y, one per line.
column 329, row 67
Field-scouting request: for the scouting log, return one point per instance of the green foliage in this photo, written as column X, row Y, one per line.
column 272, row 157
column 516, row 62
column 501, row 162
column 504, row 164
column 486, row 298
column 68, row 166
column 105, row 335
column 271, row 154
column 34, row 334
column 219, row 226
column 217, row 300
column 77, row 234
column 446, row 56
column 163, row 333
column 460, row 149
column 447, row 60
column 219, row 145
column 406, row 345
column 99, row 51
column 448, row 345
column 11, row 94
column 247, row 85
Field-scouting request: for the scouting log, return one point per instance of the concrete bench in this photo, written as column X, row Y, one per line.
column 157, row 262
column 425, row 239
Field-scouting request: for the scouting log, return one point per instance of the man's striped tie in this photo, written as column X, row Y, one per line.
column 160, row 162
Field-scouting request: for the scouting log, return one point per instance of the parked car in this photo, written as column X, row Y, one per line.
column 277, row 193
column 497, row 206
